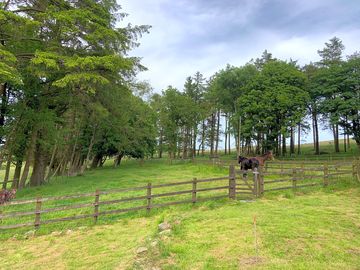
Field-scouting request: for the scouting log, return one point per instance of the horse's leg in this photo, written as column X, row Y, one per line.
column 245, row 174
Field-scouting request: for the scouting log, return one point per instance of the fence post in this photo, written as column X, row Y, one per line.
column 294, row 179
column 37, row 212
column 96, row 205
column 326, row 174
column 302, row 171
column 281, row 167
column 148, row 198
column 232, row 184
column 261, row 182
column 256, row 183
column 354, row 172
column 194, row 191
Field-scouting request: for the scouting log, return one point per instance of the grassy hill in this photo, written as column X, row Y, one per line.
column 316, row 228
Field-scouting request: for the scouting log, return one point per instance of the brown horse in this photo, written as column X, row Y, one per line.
column 264, row 157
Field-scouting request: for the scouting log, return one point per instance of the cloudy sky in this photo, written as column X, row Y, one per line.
column 204, row 35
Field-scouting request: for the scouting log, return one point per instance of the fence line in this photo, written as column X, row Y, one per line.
column 236, row 185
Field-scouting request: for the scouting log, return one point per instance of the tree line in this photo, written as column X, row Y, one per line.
column 68, row 89
column 69, row 98
column 262, row 106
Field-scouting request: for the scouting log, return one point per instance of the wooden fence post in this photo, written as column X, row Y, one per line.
column 37, row 213
column 302, row 171
column 261, row 182
column 194, row 191
column 148, row 208
column 232, row 184
column 354, row 171
column 294, row 179
column 326, row 174
column 256, row 184
column 96, row 205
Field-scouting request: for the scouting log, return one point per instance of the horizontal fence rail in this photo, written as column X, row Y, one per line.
column 238, row 183
column 149, row 196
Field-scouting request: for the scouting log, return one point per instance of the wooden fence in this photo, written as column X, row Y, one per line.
column 253, row 185
column 305, row 174
column 149, row 196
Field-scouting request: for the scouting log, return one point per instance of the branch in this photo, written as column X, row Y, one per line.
column 6, row 4
column 28, row 9
column 25, row 55
column 22, row 39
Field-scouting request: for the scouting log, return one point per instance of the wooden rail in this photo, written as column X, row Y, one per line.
column 148, row 197
column 254, row 185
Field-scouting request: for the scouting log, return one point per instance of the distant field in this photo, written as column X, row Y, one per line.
column 315, row 228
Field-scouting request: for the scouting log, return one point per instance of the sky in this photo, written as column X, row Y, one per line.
column 205, row 35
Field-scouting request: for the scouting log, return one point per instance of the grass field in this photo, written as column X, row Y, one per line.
column 315, row 228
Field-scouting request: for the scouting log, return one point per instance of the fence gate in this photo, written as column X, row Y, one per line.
column 248, row 184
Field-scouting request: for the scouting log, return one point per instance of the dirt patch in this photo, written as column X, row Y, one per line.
column 354, row 251
column 250, row 262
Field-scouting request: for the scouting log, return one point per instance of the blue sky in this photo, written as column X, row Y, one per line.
column 204, row 35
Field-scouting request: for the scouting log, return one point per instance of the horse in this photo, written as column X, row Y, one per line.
column 248, row 163
column 261, row 159
column 253, row 163
column 7, row 195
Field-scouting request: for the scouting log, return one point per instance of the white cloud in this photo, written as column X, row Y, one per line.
column 189, row 36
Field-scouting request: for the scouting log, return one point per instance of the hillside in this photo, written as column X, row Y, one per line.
column 317, row 223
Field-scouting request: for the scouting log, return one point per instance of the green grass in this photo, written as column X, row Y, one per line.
column 313, row 228
column 319, row 230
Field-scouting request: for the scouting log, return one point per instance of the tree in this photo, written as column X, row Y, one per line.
column 73, row 57
column 331, row 58
column 282, row 84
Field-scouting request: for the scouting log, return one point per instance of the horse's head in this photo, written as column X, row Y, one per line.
column 270, row 155
column 13, row 192
column 241, row 159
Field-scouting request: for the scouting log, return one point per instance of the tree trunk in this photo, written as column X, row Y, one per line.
column 102, row 161
column 258, row 143
column 194, row 140
column 317, row 143
column 335, row 129
column 284, row 145
column 92, row 140
column 17, row 173
column 203, row 138
column 229, row 137
column 212, row 134
column 238, row 137
column 7, row 171
column 299, row 138
column 38, row 173
column 96, row 160
column 117, row 160
column 185, row 143
column 226, row 134
column 313, row 131
column 278, row 144
column 29, row 157
column 292, row 141
column 161, row 143
column 3, row 94
column 217, row 133
column 52, row 160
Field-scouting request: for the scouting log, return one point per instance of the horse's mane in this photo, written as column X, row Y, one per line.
column 266, row 154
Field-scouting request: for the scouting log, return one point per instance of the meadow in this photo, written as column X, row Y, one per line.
column 313, row 228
